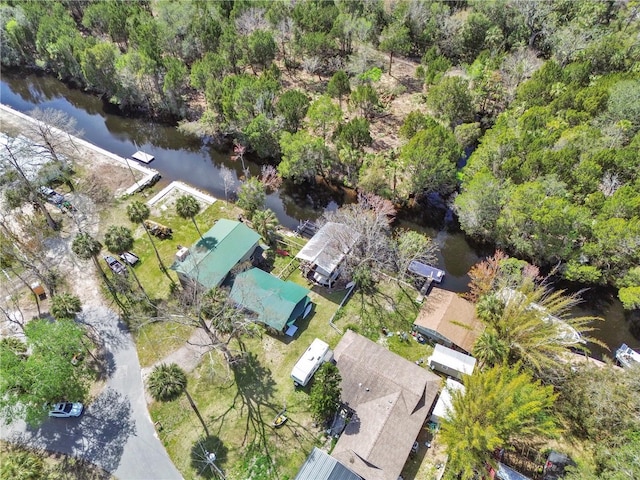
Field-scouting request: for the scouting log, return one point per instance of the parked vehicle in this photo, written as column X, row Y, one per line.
column 158, row 229
column 115, row 265
column 129, row 257
column 66, row 410
column 51, row 195
column 314, row 356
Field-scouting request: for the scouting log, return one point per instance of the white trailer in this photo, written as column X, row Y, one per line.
column 451, row 362
column 314, row 356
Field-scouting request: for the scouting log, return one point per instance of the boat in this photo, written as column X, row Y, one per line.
column 627, row 357
column 280, row 419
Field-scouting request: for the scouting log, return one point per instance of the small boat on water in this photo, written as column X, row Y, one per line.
column 280, row 419
column 627, row 357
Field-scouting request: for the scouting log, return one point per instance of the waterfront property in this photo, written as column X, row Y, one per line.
column 276, row 303
column 450, row 362
column 322, row 256
column 448, row 319
column 390, row 398
column 208, row 262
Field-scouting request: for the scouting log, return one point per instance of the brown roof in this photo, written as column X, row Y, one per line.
column 452, row 317
column 390, row 396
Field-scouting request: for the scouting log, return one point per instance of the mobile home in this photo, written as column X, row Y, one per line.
column 317, row 353
column 450, row 362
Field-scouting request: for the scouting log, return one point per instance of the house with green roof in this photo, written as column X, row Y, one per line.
column 275, row 302
column 208, row 262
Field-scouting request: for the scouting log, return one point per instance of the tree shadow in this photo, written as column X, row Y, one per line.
column 255, row 389
column 201, row 458
column 99, row 436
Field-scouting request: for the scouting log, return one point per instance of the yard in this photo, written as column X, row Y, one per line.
column 239, row 405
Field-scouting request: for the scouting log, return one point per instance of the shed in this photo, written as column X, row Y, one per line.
column 277, row 303
column 452, row 363
column 319, row 465
column 449, row 319
column 213, row 256
column 444, row 403
column 327, row 248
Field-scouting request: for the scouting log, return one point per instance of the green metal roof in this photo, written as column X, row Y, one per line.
column 276, row 302
column 213, row 256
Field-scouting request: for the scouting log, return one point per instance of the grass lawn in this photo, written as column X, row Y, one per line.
column 239, row 406
column 156, row 340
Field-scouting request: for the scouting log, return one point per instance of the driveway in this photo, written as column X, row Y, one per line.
column 115, row 432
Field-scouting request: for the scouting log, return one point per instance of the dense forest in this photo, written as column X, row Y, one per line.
column 545, row 94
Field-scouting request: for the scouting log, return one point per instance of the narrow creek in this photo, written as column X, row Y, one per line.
column 186, row 158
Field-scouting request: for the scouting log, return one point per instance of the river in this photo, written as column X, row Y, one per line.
column 183, row 157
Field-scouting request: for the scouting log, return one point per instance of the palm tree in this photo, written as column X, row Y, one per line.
column 65, row 305
column 138, row 212
column 188, row 207
column 87, row 248
column 490, row 350
column 265, row 223
column 535, row 324
column 119, row 239
column 24, row 465
column 167, row 382
column 497, row 407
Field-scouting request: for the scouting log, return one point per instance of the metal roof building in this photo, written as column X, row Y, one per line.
column 321, row 466
column 213, row 256
column 328, row 247
column 276, row 303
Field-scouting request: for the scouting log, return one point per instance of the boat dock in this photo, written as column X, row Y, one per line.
column 142, row 157
column 427, row 271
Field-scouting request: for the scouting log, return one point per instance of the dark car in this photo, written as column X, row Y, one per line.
column 115, row 265
column 51, row 195
column 129, row 257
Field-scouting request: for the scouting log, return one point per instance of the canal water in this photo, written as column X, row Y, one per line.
column 187, row 158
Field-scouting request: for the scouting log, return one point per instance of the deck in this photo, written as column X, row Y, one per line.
column 142, row 157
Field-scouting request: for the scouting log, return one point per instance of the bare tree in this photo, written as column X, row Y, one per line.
column 312, row 65
column 228, row 181
column 216, row 317
column 270, row 178
column 19, row 166
column 518, row 66
column 250, row 20
column 55, row 129
column 23, row 241
column 373, row 248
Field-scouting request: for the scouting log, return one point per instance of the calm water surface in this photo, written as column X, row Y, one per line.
column 186, row 158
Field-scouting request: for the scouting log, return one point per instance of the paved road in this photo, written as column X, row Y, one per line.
column 115, row 432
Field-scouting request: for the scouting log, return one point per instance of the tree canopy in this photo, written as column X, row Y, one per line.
column 44, row 375
column 496, row 407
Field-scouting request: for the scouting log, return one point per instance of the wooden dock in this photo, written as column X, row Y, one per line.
column 142, row 157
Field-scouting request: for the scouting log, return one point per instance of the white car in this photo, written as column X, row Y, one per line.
column 66, row 410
